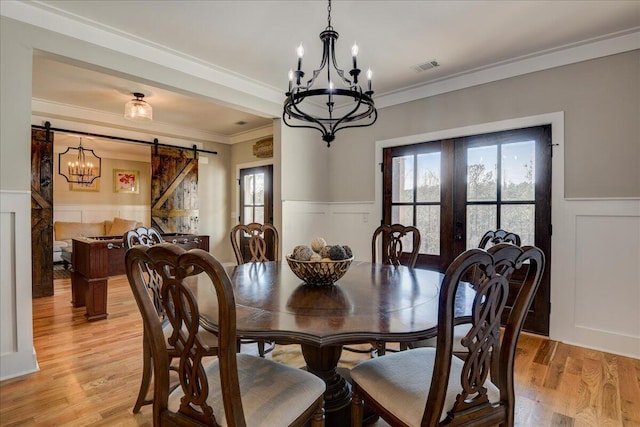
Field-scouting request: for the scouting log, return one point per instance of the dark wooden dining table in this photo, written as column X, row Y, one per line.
column 370, row 302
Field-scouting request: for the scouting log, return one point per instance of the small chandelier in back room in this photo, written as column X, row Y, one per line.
column 83, row 166
column 138, row 109
column 359, row 110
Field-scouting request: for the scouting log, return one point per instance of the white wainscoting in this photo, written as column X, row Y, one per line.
column 595, row 275
column 98, row 213
column 349, row 224
column 17, row 354
column 595, row 263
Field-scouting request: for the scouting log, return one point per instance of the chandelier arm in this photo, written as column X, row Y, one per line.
column 349, row 114
column 319, row 128
column 374, row 113
column 306, row 117
column 349, row 117
column 323, row 63
column 339, row 71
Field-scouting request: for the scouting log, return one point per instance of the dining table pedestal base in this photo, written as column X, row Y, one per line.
column 323, row 362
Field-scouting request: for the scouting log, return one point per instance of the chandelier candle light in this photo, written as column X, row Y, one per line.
column 79, row 170
column 358, row 104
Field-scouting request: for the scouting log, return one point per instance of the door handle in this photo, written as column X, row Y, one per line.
column 458, row 236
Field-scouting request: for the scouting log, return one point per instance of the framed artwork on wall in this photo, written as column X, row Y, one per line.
column 126, row 181
column 94, row 186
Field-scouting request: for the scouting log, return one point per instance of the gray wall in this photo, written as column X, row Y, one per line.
column 600, row 98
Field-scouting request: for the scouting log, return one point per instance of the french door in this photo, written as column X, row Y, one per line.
column 256, row 200
column 454, row 190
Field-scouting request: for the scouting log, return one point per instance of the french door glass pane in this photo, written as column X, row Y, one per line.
column 518, row 169
column 259, row 215
column 248, row 215
column 482, row 184
column 480, row 219
column 428, row 177
column 402, row 179
column 428, row 222
column 259, row 177
column 519, row 219
column 248, row 190
column 402, row 215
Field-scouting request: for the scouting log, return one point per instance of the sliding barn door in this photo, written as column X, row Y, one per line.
column 174, row 190
column 41, row 213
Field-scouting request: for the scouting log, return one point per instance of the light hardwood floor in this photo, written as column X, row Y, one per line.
column 90, row 373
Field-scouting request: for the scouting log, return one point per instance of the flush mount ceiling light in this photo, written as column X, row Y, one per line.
column 358, row 104
column 138, row 109
column 83, row 165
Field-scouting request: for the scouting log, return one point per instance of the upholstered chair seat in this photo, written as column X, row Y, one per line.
column 265, row 401
column 400, row 382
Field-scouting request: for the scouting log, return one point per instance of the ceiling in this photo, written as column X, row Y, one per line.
column 256, row 41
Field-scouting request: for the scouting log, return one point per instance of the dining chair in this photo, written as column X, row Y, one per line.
column 399, row 245
column 153, row 283
column 232, row 389
column 255, row 242
column 490, row 238
column 428, row 386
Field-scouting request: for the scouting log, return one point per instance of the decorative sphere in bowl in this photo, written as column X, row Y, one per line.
column 319, row 273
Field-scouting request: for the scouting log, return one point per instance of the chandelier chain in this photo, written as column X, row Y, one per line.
column 329, row 15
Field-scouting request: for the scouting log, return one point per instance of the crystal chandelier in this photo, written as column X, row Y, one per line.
column 357, row 105
column 83, row 165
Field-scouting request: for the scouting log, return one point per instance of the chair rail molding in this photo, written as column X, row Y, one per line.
column 17, row 354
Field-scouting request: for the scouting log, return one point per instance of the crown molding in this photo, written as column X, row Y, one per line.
column 45, row 16
column 590, row 49
column 252, row 134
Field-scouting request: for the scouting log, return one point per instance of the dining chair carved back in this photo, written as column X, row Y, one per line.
column 393, row 239
column 495, row 237
column 255, row 242
column 490, row 238
column 397, row 244
column 476, row 391
column 153, row 283
column 232, row 389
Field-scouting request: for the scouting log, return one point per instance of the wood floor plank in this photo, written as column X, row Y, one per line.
column 629, row 386
column 90, row 373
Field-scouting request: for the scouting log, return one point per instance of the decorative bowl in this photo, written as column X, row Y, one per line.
column 319, row 273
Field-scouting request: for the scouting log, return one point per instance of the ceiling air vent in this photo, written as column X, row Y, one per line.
column 240, row 123
column 426, row 66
